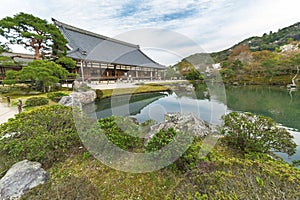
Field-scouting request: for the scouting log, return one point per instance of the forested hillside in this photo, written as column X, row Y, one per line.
column 271, row 41
column 273, row 59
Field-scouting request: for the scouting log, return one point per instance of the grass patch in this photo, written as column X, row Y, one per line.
column 93, row 180
column 139, row 89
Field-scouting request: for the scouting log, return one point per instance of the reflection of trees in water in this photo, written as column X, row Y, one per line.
column 125, row 104
column 201, row 91
column 210, row 91
column 273, row 102
column 193, row 90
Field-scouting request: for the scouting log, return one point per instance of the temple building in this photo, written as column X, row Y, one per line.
column 103, row 58
column 20, row 60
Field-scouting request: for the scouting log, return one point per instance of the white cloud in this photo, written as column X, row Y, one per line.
column 213, row 24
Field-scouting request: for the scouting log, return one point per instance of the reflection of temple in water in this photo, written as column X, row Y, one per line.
column 124, row 105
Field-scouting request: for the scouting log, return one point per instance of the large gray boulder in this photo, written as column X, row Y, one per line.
column 20, row 178
column 183, row 122
column 82, row 97
column 66, row 101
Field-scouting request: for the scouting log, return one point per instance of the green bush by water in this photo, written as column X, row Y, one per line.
column 36, row 101
column 255, row 133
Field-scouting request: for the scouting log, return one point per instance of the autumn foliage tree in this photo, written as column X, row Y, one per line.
column 34, row 34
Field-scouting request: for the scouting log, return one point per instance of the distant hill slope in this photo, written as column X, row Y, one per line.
column 272, row 59
column 271, row 41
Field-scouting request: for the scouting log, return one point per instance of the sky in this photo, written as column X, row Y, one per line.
column 167, row 30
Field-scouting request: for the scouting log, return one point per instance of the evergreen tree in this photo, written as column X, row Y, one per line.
column 41, row 74
column 34, row 34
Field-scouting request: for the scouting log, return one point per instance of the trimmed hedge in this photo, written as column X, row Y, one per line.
column 36, row 101
column 56, row 96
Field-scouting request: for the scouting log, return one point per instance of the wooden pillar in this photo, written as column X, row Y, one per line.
column 81, row 69
column 115, row 70
column 100, row 70
column 107, row 73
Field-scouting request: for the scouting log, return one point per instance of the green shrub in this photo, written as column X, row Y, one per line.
column 187, row 160
column 160, row 139
column 111, row 136
column 36, row 101
column 124, row 133
column 45, row 135
column 15, row 90
column 253, row 133
column 5, row 90
column 190, row 158
column 229, row 177
column 56, row 96
column 121, row 131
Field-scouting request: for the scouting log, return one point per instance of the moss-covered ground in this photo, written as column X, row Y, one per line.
column 224, row 174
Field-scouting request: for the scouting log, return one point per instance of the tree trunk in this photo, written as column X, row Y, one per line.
column 37, row 55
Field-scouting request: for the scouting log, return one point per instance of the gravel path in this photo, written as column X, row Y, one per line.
column 7, row 112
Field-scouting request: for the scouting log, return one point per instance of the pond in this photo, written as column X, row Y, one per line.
column 278, row 103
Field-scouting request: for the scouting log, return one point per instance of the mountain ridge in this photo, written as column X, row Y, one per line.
column 270, row 59
column 271, row 41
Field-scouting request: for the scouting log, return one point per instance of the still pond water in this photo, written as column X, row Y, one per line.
column 278, row 103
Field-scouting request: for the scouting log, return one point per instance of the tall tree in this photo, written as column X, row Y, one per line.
column 34, row 34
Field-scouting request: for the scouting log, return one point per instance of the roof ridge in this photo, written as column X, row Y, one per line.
column 58, row 23
column 17, row 54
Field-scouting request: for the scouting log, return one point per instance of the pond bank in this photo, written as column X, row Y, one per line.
column 133, row 90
